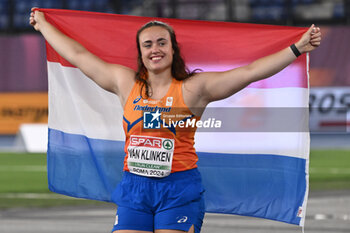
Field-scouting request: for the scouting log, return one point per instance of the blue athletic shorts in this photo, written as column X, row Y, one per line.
column 174, row 202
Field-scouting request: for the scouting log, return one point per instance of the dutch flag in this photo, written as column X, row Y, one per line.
column 252, row 170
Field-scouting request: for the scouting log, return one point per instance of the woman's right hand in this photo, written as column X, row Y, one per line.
column 36, row 17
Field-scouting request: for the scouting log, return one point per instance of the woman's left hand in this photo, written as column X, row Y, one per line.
column 310, row 40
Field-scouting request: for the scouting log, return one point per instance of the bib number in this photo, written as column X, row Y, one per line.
column 150, row 156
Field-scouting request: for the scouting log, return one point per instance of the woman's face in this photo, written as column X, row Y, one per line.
column 156, row 49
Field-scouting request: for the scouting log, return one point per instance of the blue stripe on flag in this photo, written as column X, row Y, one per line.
column 258, row 185
column 83, row 167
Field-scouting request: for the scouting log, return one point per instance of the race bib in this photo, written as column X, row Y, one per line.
column 150, row 156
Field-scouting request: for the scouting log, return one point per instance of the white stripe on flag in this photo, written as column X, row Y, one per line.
column 82, row 107
column 275, row 143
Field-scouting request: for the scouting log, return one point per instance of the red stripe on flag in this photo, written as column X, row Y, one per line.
column 113, row 38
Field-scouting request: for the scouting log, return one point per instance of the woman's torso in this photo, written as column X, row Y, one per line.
column 159, row 133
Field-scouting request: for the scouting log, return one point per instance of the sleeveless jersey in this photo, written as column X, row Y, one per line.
column 159, row 133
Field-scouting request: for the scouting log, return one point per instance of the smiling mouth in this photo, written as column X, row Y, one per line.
column 156, row 58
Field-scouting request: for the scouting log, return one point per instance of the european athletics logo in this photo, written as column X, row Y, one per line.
column 151, row 120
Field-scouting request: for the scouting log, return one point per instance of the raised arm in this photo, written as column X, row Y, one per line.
column 213, row 86
column 111, row 77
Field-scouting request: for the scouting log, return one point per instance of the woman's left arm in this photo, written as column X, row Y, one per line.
column 220, row 85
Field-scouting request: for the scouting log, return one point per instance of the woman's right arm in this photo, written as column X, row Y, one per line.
column 111, row 77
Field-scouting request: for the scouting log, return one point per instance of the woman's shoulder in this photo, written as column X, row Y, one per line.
column 195, row 80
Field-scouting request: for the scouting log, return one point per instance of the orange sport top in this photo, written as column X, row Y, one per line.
column 159, row 133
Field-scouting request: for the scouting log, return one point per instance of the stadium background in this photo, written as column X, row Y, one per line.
column 23, row 84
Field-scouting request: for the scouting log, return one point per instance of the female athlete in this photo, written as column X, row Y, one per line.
column 161, row 189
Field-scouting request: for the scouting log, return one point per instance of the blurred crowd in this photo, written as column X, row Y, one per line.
column 14, row 13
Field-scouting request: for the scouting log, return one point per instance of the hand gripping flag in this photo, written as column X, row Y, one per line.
column 260, row 172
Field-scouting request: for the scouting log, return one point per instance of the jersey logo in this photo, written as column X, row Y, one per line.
column 137, row 99
column 169, row 101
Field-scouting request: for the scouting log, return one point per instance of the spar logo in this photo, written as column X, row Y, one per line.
column 151, row 120
column 151, row 142
column 168, row 144
column 146, row 142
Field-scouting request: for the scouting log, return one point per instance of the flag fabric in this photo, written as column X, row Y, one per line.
column 252, row 173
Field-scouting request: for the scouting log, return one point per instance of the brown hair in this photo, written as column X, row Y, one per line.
column 178, row 68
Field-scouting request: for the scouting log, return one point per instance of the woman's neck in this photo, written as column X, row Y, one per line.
column 159, row 83
column 159, row 80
